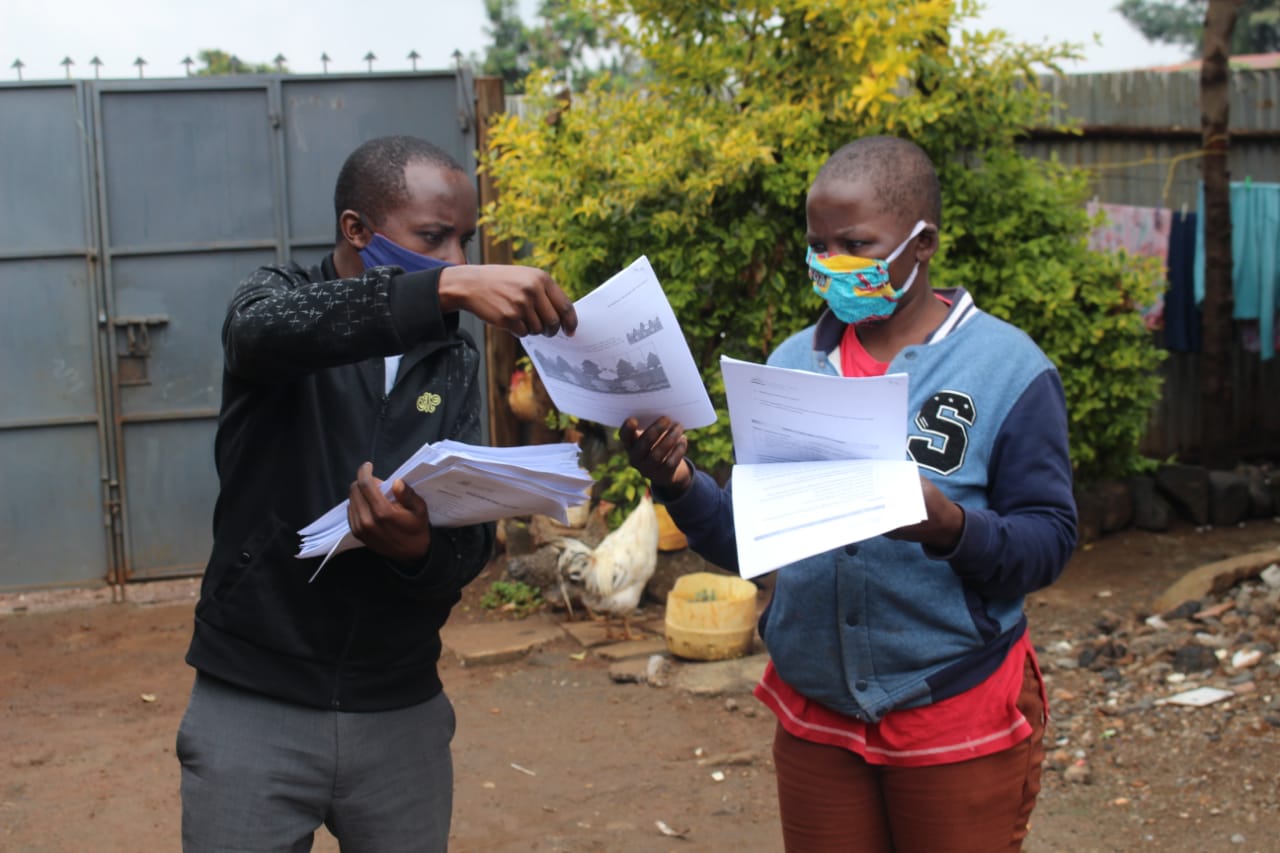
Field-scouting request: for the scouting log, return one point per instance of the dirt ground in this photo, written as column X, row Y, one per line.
column 552, row 755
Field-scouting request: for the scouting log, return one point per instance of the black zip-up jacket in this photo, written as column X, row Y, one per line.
column 302, row 407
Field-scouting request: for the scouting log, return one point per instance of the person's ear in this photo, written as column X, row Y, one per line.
column 355, row 229
column 926, row 243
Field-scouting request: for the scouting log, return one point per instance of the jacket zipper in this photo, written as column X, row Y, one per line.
column 384, row 403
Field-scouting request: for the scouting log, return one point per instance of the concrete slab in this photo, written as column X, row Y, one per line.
column 630, row 671
column 654, row 625
column 590, row 633
column 499, row 642
column 720, row 678
column 1215, row 578
column 632, row 648
column 174, row 591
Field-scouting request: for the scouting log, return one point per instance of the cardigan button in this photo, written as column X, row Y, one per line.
column 851, row 549
column 860, row 685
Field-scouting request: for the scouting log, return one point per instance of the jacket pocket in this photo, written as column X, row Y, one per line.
column 266, row 548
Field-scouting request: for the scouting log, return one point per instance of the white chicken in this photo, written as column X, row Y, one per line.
column 612, row 576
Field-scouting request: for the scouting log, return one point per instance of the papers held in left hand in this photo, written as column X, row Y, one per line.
column 468, row 484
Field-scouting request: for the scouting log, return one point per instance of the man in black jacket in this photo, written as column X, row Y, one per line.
column 319, row 702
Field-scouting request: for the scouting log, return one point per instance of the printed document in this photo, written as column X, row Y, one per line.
column 468, row 484
column 821, row 462
column 628, row 357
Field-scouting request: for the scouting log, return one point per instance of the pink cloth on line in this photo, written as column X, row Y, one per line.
column 1140, row 231
column 1137, row 230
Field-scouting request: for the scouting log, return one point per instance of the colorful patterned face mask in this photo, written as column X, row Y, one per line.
column 859, row 289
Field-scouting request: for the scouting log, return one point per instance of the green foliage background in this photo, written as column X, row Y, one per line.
column 1181, row 22
column 705, row 163
column 219, row 62
column 555, row 42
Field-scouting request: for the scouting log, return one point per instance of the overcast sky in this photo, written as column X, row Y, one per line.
column 164, row 31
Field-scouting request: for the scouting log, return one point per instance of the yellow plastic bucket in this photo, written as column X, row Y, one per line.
column 670, row 537
column 710, row 616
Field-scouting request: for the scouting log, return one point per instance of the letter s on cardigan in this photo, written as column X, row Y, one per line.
column 946, row 417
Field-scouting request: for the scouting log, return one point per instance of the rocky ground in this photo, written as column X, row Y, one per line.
column 1166, row 708
column 563, row 746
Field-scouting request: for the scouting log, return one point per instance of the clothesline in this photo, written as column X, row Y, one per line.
column 1173, row 160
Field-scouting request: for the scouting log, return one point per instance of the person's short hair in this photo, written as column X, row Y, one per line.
column 372, row 182
column 899, row 171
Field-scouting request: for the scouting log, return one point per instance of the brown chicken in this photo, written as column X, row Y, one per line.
column 528, row 402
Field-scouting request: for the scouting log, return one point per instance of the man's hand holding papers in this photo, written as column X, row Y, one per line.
column 628, row 358
column 395, row 524
column 461, row 484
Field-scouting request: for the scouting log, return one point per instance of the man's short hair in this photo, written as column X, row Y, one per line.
column 372, row 182
column 899, row 171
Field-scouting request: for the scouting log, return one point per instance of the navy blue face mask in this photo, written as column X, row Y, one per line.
column 384, row 252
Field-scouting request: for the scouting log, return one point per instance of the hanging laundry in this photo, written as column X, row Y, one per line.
column 1139, row 231
column 1181, row 313
column 1250, row 332
column 1255, row 273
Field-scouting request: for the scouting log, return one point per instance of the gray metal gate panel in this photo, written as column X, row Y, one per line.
column 52, row 433
column 325, row 119
column 188, row 207
column 143, row 204
column 186, row 168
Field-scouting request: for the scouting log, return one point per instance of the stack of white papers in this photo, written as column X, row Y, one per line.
column 468, row 484
column 821, row 462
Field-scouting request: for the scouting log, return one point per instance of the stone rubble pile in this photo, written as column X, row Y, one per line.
column 1194, row 673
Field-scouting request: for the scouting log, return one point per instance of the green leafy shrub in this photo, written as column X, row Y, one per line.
column 513, row 596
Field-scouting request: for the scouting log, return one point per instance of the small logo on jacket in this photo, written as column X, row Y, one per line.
column 428, row 402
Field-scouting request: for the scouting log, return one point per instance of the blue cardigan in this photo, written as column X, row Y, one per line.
column 884, row 624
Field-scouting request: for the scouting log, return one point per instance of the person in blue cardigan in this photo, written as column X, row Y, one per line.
column 910, row 705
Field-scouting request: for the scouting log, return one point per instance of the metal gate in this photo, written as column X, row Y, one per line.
column 133, row 210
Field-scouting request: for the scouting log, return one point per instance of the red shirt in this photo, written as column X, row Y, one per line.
column 981, row 721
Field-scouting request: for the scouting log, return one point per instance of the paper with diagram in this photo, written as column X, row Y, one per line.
column 821, row 462
column 628, row 357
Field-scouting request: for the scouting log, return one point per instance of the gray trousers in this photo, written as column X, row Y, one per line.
column 262, row 775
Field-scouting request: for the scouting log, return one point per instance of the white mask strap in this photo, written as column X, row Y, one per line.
column 910, row 280
column 920, row 226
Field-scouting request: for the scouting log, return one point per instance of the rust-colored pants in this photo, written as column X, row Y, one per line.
column 832, row 801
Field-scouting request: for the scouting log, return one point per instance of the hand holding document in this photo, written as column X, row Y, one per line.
column 821, row 462
column 628, row 357
column 467, row 484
